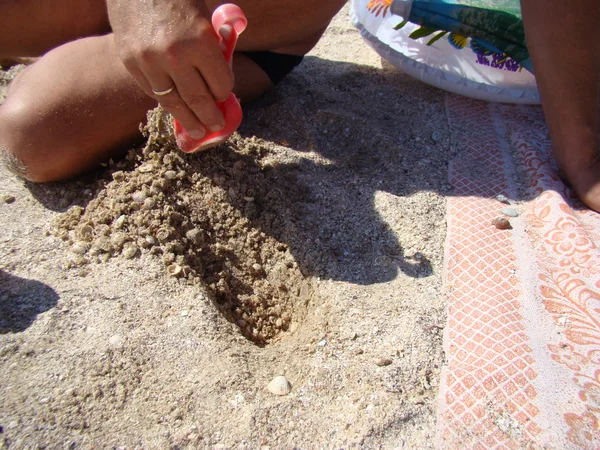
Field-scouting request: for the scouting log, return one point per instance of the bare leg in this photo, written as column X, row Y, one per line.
column 62, row 114
column 32, row 27
column 568, row 74
column 78, row 104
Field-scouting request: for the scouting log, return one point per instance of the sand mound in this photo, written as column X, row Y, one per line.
column 203, row 217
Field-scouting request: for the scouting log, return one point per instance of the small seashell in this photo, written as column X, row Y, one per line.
column 279, row 386
column 86, row 232
column 120, row 221
column 249, row 199
column 116, row 341
column 510, row 212
column 501, row 223
column 163, row 234
column 130, row 250
column 146, row 168
column 7, row 198
column 149, row 203
column 170, row 175
column 174, row 270
column 139, row 197
column 502, row 199
column 80, row 248
column 150, row 240
column 381, row 362
column 436, row 136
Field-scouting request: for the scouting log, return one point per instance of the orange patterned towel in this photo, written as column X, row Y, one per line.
column 523, row 333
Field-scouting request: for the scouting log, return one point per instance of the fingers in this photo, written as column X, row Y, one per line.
column 192, row 104
column 199, row 77
column 171, row 101
column 163, row 47
column 214, row 69
column 190, row 101
column 197, row 96
column 174, row 104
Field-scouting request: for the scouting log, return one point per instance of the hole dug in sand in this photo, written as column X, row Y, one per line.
column 196, row 213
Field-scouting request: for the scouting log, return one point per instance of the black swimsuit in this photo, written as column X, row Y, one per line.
column 275, row 65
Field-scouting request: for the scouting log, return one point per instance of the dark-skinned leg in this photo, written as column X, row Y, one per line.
column 564, row 42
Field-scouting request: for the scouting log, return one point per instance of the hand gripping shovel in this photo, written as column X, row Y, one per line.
column 229, row 21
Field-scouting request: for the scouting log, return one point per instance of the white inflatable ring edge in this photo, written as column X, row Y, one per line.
column 459, row 86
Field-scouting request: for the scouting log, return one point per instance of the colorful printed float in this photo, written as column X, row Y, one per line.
column 470, row 47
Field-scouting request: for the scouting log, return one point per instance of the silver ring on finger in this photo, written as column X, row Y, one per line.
column 164, row 92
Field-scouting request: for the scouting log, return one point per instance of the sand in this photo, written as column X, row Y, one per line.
column 150, row 303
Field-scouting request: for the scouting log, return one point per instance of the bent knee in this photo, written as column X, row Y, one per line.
column 22, row 151
column 12, row 163
column 11, row 154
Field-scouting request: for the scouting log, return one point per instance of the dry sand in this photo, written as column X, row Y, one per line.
column 149, row 304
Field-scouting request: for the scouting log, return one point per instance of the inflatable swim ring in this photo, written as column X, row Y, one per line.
column 434, row 52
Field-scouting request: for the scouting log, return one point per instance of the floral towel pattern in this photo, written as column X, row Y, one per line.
column 523, row 334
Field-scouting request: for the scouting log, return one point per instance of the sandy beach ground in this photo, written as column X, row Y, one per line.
column 150, row 303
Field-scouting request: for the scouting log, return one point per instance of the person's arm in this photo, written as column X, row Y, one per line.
column 563, row 38
column 171, row 43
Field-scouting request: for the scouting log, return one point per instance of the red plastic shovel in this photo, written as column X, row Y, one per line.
column 232, row 17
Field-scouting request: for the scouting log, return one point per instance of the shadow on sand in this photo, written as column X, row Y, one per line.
column 21, row 301
column 372, row 131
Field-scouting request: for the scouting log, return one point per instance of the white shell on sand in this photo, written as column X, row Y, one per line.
column 503, row 199
column 174, row 270
column 279, row 386
column 80, row 248
column 129, row 251
column 510, row 212
column 116, row 340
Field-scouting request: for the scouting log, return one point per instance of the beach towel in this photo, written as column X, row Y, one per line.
column 523, row 333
